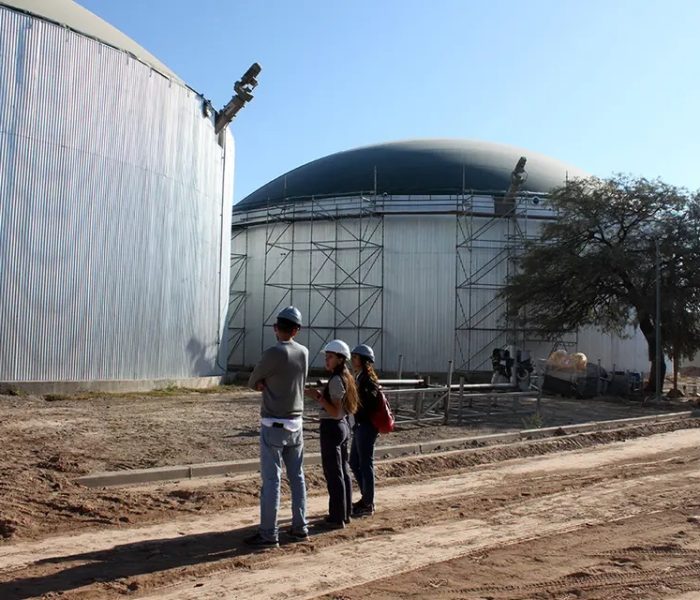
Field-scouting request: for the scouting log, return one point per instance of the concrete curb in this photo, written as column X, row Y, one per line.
column 136, row 476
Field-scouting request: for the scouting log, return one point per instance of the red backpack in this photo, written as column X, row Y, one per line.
column 382, row 418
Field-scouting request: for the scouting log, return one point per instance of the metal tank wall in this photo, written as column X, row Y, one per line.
column 419, row 292
column 419, row 275
column 416, row 310
column 621, row 353
column 114, row 214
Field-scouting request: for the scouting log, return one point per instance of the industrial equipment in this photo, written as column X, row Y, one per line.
column 243, row 89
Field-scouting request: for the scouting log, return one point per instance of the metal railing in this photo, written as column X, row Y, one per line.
column 450, row 403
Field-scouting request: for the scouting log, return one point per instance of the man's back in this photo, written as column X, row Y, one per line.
column 283, row 368
column 281, row 375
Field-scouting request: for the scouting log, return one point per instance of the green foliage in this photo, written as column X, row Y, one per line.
column 10, row 390
column 56, row 397
column 595, row 264
column 533, row 421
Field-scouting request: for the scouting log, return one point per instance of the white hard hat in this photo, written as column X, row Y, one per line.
column 291, row 313
column 338, row 347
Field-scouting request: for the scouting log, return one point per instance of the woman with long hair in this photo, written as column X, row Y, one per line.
column 364, row 432
column 338, row 400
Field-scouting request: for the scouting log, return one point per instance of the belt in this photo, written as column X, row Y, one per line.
column 278, row 425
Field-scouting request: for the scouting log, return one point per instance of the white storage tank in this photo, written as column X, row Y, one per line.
column 115, row 203
column 403, row 246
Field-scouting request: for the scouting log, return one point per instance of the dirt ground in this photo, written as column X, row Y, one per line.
column 611, row 514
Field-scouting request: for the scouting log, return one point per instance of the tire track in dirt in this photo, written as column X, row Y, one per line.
column 497, row 504
column 396, row 552
column 587, row 581
column 39, row 497
column 627, row 559
column 578, row 462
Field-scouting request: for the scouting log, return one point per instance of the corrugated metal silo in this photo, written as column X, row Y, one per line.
column 114, row 206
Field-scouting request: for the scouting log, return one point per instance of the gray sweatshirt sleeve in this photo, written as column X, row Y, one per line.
column 336, row 389
column 265, row 367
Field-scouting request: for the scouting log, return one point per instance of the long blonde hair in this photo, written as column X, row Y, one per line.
column 351, row 400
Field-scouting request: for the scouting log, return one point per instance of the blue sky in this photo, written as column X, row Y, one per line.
column 608, row 86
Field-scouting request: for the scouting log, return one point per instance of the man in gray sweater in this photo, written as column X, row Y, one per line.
column 281, row 376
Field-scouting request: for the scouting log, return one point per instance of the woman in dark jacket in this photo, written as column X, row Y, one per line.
column 364, row 433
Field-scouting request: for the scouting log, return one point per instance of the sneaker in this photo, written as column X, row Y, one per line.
column 258, row 541
column 360, row 509
column 297, row 536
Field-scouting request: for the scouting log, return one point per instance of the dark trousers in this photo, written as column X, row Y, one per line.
column 334, row 457
column 362, row 460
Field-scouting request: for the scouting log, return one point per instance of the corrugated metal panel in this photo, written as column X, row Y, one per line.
column 110, row 214
column 419, row 292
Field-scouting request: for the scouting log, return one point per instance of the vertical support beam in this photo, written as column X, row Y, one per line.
column 461, row 399
column 311, row 275
column 360, row 233
column 334, row 259
column 292, row 249
column 381, row 281
column 420, row 401
column 264, row 290
column 657, row 324
column 448, row 395
column 539, row 390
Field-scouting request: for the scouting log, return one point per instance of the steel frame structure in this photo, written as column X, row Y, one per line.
column 326, row 256
column 500, row 236
column 341, row 291
column 238, row 293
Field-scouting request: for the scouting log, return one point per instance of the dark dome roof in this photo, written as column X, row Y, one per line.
column 433, row 166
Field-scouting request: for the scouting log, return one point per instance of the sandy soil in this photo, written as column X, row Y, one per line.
column 610, row 514
column 47, row 442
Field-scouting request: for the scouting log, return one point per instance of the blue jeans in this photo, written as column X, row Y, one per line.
column 362, row 460
column 278, row 445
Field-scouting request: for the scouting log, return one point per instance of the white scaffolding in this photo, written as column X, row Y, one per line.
column 236, row 317
column 488, row 247
column 326, row 258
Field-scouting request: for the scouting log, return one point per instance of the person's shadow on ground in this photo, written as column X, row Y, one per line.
column 130, row 560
